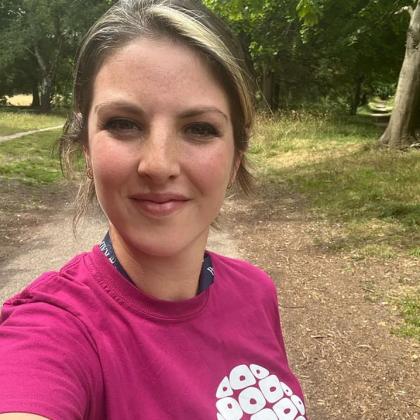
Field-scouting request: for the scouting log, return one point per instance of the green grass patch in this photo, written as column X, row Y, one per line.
column 409, row 308
column 292, row 140
column 415, row 252
column 17, row 121
column 30, row 159
column 373, row 194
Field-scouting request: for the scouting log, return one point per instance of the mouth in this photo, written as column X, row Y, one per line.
column 159, row 205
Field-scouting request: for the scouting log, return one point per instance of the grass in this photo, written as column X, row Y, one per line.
column 30, row 159
column 409, row 308
column 14, row 121
column 371, row 194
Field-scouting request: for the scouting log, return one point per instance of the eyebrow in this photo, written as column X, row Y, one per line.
column 134, row 109
column 193, row 112
column 121, row 105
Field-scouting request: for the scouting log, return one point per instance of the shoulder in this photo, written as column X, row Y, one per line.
column 53, row 312
column 240, row 266
column 70, row 270
column 241, row 272
column 48, row 355
column 63, row 289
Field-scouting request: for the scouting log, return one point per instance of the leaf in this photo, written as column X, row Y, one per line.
column 309, row 12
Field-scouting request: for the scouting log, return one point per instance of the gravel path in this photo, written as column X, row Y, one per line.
column 52, row 243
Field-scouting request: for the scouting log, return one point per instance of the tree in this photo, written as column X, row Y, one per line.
column 400, row 132
column 20, row 76
column 359, row 44
column 305, row 50
column 270, row 31
column 36, row 35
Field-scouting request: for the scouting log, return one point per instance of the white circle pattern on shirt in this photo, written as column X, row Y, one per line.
column 251, row 392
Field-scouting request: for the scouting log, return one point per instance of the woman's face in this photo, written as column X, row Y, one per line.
column 160, row 146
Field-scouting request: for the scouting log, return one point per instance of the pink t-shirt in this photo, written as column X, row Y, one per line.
column 85, row 343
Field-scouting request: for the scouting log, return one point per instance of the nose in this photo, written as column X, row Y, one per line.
column 158, row 157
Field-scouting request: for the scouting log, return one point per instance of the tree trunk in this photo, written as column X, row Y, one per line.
column 46, row 93
column 46, row 86
column 400, row 132
column 35, row 96
column 268, row 86
column 356, row 100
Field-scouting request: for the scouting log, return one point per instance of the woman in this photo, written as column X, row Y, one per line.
column 149, row 325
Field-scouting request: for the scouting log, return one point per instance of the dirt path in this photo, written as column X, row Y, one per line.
column 336, row 323
column 26, row 133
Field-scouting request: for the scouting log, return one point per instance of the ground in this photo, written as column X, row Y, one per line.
column 336, row 325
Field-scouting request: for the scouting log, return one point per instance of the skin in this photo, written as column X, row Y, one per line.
column 21, row 416
column 160, row 124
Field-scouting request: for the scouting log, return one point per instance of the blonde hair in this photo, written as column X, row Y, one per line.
column 187, row 21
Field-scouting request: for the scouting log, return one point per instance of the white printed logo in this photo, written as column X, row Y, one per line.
column 250, row 392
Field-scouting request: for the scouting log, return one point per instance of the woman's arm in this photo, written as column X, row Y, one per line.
column 48, row 364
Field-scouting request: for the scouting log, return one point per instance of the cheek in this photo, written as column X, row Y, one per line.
column 111, row 163
column 212, row 171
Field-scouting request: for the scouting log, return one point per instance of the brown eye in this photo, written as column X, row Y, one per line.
column 121, row 124
column 202, row 130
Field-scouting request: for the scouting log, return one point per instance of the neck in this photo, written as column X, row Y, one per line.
column 171, row 278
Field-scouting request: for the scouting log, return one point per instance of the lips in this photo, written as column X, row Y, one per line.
column 159, row 205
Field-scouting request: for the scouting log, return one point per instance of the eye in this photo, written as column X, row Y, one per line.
column 202, row 130
column 121, row 125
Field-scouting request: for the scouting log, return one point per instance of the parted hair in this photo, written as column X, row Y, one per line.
column 187, row 21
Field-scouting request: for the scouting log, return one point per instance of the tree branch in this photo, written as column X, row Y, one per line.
column 408, row 9
column 40, row 60
column 59, row 36
column 29, row 51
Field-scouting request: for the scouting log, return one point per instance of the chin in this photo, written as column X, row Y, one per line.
column 159, row 250
column 161, row 241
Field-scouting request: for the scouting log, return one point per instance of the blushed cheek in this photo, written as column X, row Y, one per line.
column 110, row 162
column 214, row 173
column 109, row 170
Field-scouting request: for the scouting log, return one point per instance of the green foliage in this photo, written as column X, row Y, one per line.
column 269, row 31
column 309, row 12
column 38, row 40
column 308, row 49
column 301, row 50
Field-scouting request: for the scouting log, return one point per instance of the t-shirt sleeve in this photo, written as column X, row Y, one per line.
column 48, row 365
column 276, row 317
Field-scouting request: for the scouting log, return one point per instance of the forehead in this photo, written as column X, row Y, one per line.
column 159, row 68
